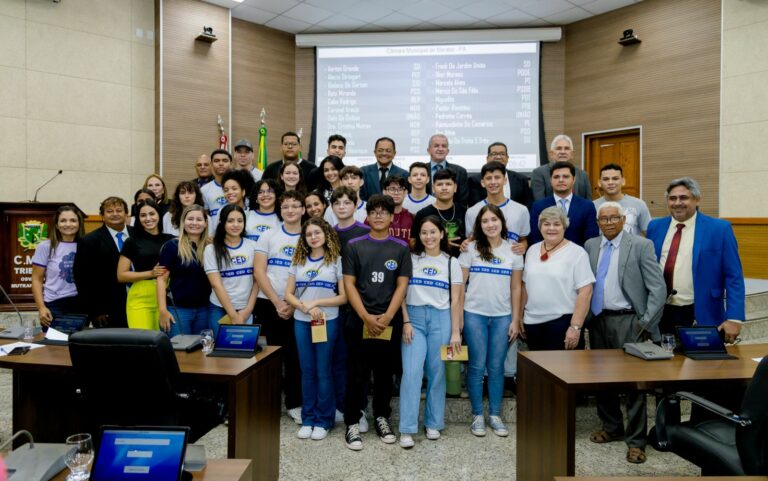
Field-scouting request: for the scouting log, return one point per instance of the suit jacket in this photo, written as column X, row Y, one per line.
column 307, row 170
column 582, row 218
column 462, row 183
column 95, row 272
column 371, row 178
column 542, row 187
column 640, row 278
column 716, row 269
column 518, row 189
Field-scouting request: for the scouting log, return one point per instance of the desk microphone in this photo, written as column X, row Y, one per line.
column 672, row 294
column 34, row 462
column 48, row 182
column 13, row 304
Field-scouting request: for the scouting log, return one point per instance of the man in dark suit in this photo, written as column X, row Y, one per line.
column 438, row 151
column 517, row 184
column 95, row 267
column 627, row 301
column 580, row 211
column 700, row 260
column 374, row 175
column 290, row 145
column 561, row 150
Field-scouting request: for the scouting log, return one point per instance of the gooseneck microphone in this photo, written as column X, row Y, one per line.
column 48, row 182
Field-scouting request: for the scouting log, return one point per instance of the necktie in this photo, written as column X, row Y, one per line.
column 382, row 177
column 120, row 242
column 598, row 295
column 563, row 206
column 669, row 266
column 436, row 168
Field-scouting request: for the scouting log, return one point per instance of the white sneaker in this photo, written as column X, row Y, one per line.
column 499, row 429
column 478, row 425
column 295, row 414
column 339, row 417
column 406, row 441
column 305, row 432
column 363, row 422
column 319, row 433
column 433, row 434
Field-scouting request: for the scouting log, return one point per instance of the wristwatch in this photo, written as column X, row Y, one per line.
column 575, row 327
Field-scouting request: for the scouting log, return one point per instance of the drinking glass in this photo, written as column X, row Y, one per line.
column 79, row 456
column 668, row 342
column 29, row 330
column 206, row 336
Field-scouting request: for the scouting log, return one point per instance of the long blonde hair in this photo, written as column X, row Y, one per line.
column 187, row 254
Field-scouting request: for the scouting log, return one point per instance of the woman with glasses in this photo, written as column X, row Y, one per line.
column 262, row 217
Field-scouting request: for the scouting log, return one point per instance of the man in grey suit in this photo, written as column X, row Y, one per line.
column 561, row 149
column 627, row 303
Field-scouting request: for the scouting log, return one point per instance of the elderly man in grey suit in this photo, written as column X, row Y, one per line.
column 627, row 303
column 561, row 150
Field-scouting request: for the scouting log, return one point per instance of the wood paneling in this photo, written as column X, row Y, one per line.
column 195, row 84
column 553, row 89
column 305, row 97
column 751, row 234
column 669, row 84
column 263, row 69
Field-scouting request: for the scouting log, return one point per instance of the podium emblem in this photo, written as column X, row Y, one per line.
column 31, row 233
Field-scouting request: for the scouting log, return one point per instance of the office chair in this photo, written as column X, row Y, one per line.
column 729, row 445
column 131, row 377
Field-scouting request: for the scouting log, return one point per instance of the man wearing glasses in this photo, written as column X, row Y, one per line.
column 290, row 146
column 516, row 187
column 374, row 175
column 402, row 220
column 636, row 211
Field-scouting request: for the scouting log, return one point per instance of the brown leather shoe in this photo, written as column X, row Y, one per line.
column 636, row 455
column 601, row 437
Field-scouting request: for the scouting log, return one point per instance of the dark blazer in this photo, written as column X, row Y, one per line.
column 462, row 183
column 371, row 178
column 640, row 278
column 542, row 187
column 718, row 281
column 95, row 272
column 582, row 218
column 518, row 189
column 307, row 170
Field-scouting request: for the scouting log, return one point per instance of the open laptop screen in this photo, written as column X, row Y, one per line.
column 700, row 339
column 241, row 337
column 145, row 453
column 69, row 323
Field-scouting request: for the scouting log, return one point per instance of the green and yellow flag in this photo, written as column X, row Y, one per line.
column 261, row 160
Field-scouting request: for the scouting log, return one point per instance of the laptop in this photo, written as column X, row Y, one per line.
column 66, row 324
column 702, row 343
column 237, row 340
column 146, row 453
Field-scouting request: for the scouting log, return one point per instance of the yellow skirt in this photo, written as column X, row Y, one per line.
column 141, row 305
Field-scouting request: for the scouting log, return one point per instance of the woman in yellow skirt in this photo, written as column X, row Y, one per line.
column 138, row 266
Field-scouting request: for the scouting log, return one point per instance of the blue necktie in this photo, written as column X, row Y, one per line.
column 563, row 207
column 598, row 295
column 120, row 242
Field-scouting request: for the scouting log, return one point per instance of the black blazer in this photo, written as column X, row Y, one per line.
column 308, row 171
column 95, row 272
column 519, row 191
column 462, row 183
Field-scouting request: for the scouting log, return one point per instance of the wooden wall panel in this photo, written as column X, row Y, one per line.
column 263, row 70
column 751, row 234
column 195, row 84
column 669, row 84
column 305, row 96
column 553, row 89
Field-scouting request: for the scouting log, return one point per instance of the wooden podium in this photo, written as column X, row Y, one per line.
column 23, row 225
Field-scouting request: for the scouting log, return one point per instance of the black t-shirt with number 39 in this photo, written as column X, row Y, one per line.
column 376, row 265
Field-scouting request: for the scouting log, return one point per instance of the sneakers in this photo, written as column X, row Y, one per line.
column 295, row 414
column 499, row 429
column 406, row 441
column 305, row 432
column 319, row 433
column 478, row 426
column 339, row 417
column 384, row 430
column 433, row 434
column 352, row 439
column 363, row 422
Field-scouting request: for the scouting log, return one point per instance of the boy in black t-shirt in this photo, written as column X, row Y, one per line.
column 446, row 209
column 376, row 269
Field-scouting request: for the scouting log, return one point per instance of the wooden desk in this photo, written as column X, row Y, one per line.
column 44, row 399
column 548, row 381
column 215, row 470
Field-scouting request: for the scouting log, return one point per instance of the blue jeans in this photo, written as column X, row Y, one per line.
column 431, row 329
column 214, row 314
column 189, row 320
column 487, row 341
column 318, row 400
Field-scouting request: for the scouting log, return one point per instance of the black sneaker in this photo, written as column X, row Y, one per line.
column 353, row 439
column 384, row 430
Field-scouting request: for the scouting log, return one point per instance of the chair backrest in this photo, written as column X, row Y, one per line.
column 752, row 440
column 127, row 376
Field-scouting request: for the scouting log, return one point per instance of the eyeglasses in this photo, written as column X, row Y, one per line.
column 384, row 151
column 610, row 220
column 394, row 190
column 681, row 198
column 497, row 154
column 266, row 192
column 378, row 213
column 290, row 145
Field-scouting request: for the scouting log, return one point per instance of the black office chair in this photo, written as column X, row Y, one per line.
column 131, row 377
column 729, row 445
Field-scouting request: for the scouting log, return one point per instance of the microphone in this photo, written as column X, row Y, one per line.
column 672, row 294
column 48, row 182
column 13, row 304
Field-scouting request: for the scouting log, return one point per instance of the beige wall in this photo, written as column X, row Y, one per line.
column 744, row 127
column 77, row 94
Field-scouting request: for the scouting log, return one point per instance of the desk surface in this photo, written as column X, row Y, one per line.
column 664, row 478
column 215, row 470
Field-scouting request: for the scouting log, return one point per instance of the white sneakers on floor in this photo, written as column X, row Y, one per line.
column 295, row 414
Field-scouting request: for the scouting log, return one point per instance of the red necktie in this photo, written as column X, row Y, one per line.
column 669, row 266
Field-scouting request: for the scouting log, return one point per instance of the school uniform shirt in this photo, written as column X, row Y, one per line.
column 214, row 200
column 360, row 214
column 168, row 227
column 489, row 292
column 354, row 231
column 376, row 265
column 401, row 225
column 429, row 284
column 516, row 216
column 188, row 282
column 316, row 280
column 414, row 206
column 236, row 275
column 59, row 281
column 278, row 245
column 256, row 224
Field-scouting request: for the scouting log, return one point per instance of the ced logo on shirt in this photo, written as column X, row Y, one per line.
column 239, row 260
column 391, row 264
column 496, row 260
column 287, row 250
column 311, row 274
column 430, row 271
column 263, row 228
column 221, row 200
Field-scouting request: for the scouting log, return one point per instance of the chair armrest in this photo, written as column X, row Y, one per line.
column 725, row 413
